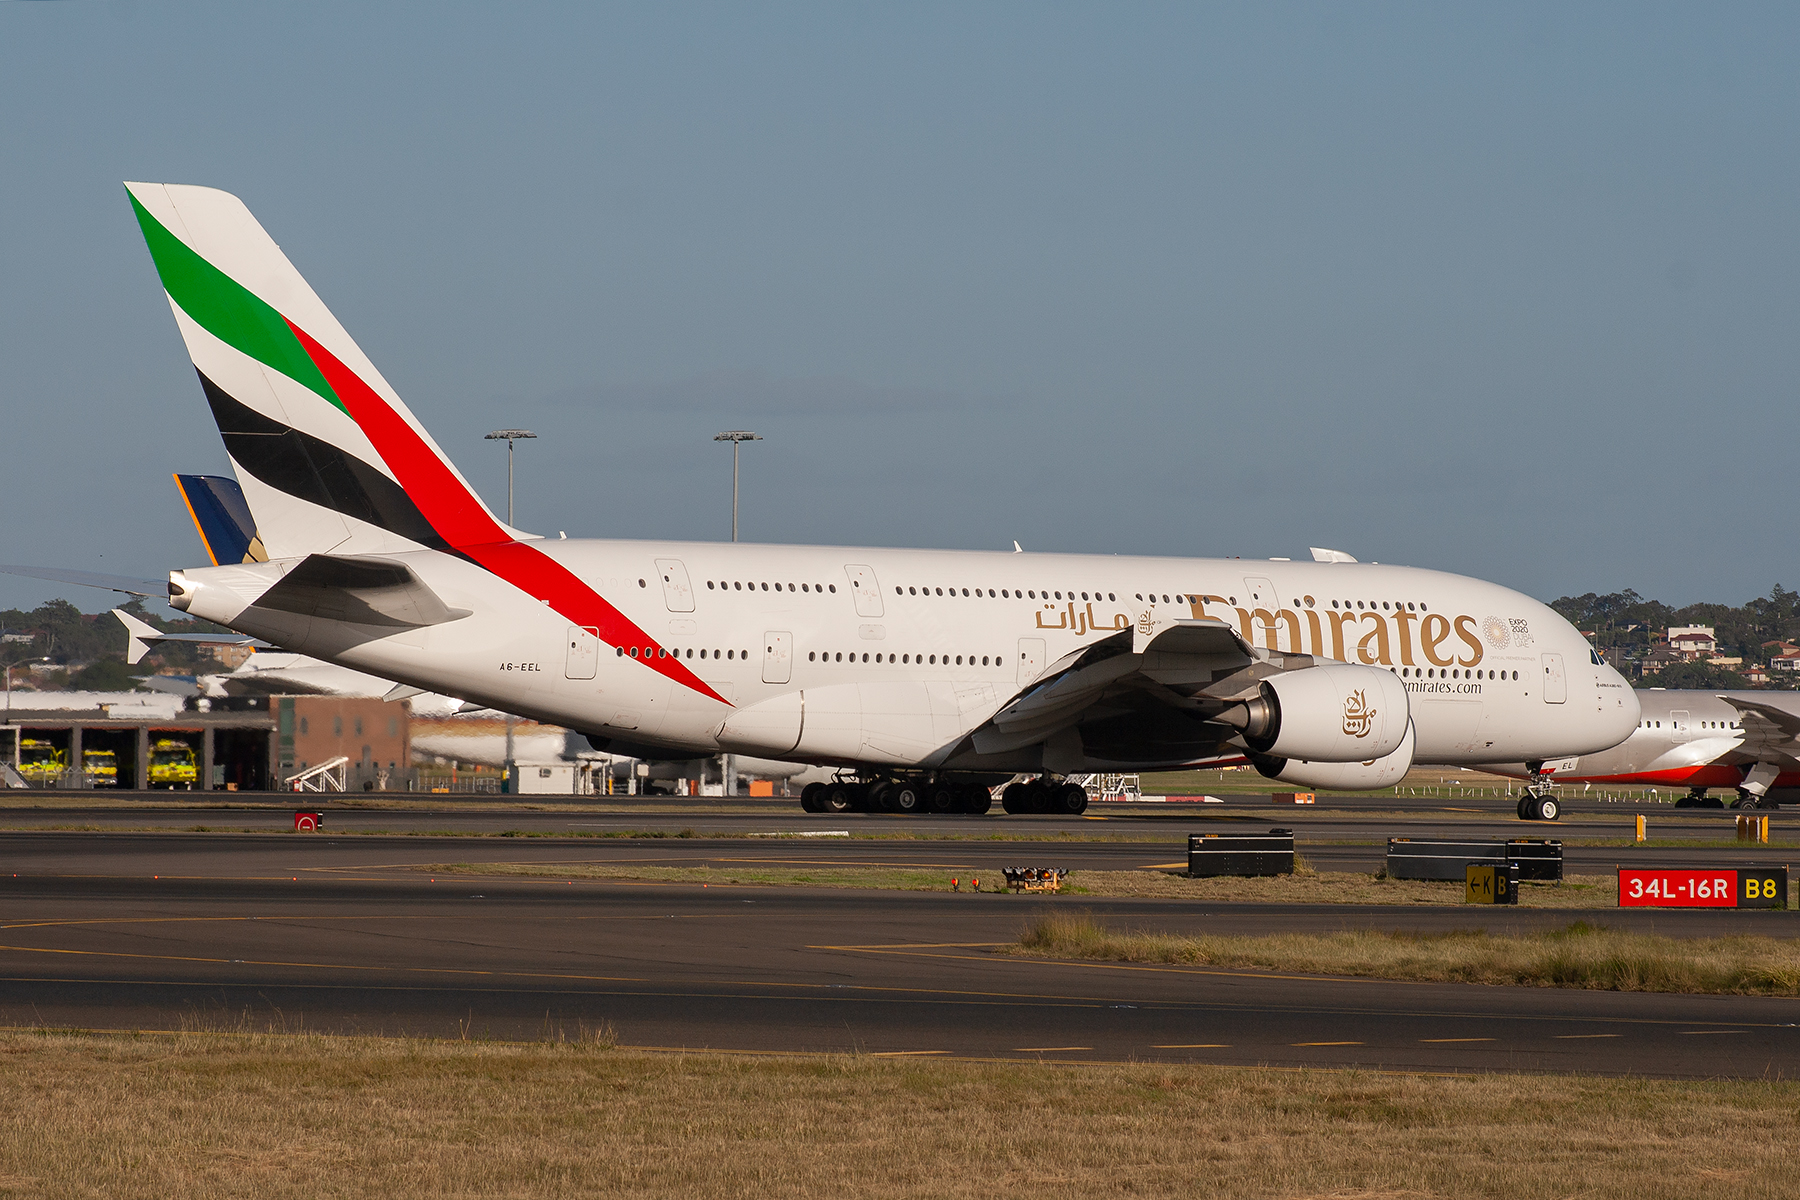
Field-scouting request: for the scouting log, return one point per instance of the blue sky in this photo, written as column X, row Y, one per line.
column 1509, row 291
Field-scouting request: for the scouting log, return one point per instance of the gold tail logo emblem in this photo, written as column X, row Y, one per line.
column 1359, row 718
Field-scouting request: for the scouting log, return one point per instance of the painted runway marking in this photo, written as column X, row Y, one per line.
column 904, row 1053
column 1445, row 1040
column 1704, row 1032
column 1047, row 1049
column 1195, row 1046
column 1573, row 1037
column 1327, row 1043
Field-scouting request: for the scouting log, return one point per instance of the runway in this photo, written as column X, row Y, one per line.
column 1350, row 834
column 347, row 934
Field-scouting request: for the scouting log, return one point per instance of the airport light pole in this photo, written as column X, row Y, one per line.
column 736, row 437
column 509, row 436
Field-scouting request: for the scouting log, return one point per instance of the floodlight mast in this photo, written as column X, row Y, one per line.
column 735, row 437
column 509, row 436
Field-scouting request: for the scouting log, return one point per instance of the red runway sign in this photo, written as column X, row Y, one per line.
column 1757, row 887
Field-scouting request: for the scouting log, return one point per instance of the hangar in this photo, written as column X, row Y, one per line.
column 238, row 743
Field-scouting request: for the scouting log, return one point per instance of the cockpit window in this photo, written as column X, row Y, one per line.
column 1594, row 657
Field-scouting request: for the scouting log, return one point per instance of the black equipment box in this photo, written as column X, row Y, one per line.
column 1418, row 858
column 1212, row 854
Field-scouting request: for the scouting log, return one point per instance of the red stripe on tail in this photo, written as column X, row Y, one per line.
column 460, row 519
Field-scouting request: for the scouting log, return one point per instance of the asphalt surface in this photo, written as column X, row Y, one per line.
column 185, row 930
column 1349, row 835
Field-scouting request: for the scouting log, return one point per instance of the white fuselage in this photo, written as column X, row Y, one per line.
column 1491, row 674
column 1683, row 738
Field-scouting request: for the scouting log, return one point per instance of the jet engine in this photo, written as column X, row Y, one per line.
column 1333, row 713
column 1341, row 777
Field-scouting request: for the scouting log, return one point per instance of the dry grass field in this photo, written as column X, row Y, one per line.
column 210, row 1116
column 1580, row 956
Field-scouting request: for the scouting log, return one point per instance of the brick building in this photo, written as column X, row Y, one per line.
column 372, row 733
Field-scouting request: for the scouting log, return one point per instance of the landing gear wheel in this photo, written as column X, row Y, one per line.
column 1523, row 801
column 809, row 797
column 881, row 796
column 1711, row 802
column 1071, row 799
column 1548, row 809
column 906, row 798
column 1015, row 799
column 977, row 800
column 1037, row 797
column 838, row 798
column 942, row 799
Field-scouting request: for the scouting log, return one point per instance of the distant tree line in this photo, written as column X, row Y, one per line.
column 1628, row 622
column 89, row 648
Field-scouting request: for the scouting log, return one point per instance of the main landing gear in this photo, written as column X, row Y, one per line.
column 1697, row 798
column 1045, row 796
column 905, row 796
column 1753, row 792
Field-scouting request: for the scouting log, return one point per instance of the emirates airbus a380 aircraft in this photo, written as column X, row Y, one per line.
column 925, row 675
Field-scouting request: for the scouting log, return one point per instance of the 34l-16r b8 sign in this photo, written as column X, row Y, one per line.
column 1749, row 887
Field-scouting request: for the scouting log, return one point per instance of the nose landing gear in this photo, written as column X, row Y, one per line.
column 1538, row 801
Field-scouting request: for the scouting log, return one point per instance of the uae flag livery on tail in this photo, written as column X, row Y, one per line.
column 330, row 458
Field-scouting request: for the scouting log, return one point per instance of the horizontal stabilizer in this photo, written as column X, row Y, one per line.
column 141, row 635
column 360, row 591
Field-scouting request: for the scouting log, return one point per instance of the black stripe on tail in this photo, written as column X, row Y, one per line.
column 314, row 470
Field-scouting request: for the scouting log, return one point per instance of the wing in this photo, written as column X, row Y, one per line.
column 128, row 584
column 1770, row 731
column 1141, row 695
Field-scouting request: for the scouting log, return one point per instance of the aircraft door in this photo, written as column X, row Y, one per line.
column 1263, row 629
column 1680, row 727
column 778, row 657
column 678, row 593
column 867, row 590
column 584, row 652
column 1031, row 659
column 1556, row 680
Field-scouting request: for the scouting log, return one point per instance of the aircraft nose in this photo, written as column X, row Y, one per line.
column 1618, row 703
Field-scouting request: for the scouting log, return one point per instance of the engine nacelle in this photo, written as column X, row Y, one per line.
column 1334, row 713
column 1341, row 777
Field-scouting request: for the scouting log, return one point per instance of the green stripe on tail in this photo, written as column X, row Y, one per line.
column 226, row 309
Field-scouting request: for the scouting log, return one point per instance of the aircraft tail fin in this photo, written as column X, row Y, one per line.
column 328, row 456
column 222, row 516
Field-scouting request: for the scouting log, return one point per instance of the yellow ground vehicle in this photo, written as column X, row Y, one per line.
column 40, row 762
column 101, row 767
column 172, row 765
